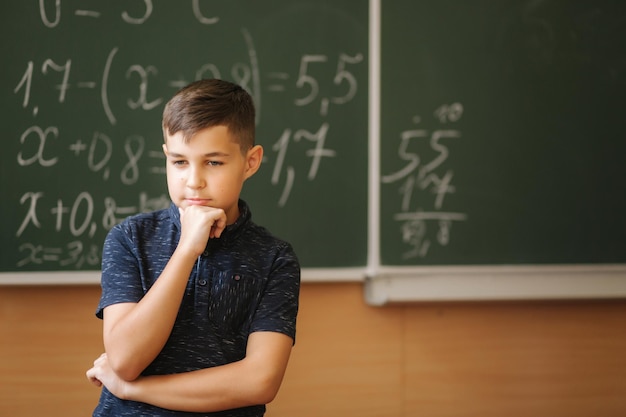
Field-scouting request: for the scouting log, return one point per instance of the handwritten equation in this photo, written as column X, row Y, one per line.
column 110, row 83
column 424, row 181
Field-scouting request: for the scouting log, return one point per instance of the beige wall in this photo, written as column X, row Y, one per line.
column 522, row 359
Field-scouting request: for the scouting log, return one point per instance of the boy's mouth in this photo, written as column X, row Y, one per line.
column 197, row 201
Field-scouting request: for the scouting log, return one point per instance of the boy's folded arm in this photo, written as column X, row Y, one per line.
column 129, row 351
column 251, row 381
column 135, row 333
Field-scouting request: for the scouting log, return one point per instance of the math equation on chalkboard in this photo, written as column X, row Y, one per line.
column 85, row 87
column 423, row 182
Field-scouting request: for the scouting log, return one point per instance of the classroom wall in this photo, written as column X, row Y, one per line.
column 556, row 359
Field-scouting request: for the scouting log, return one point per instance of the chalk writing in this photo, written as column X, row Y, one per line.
column 103, row 169
column 133, row 19
column 424, row 174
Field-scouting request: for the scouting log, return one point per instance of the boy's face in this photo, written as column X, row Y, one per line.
column 209, row 169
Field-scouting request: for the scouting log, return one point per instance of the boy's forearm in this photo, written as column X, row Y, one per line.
column 251, row 381
column 206, row 390
column 133, row 337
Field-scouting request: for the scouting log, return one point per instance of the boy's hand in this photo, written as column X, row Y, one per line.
column 199, row 224
column 102, row 374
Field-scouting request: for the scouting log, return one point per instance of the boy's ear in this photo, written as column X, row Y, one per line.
column 254, row 157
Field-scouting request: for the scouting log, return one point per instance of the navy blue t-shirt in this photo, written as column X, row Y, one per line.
column 245, row 281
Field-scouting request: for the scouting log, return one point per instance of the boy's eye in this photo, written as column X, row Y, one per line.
column 214, row 163
column 179, row 162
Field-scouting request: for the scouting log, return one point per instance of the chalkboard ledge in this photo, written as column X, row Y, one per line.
column 484, row 283
column 93, row 277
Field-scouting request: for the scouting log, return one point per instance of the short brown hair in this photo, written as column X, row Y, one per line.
column 211, row 102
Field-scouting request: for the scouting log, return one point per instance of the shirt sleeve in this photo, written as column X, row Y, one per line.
column 120, row 279
column 278, row 306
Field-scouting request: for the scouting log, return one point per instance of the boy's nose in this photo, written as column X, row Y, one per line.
column 195, row 180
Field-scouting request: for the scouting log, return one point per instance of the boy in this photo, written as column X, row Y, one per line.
column 198, row 303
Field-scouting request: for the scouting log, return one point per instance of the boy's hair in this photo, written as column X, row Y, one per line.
column 211, row 102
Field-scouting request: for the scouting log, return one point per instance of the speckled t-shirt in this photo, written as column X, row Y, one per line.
column 245, row 281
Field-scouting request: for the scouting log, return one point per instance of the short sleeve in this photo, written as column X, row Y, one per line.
column 278, row 306
column 120, row 279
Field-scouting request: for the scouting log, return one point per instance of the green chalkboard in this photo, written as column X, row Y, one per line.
column 83, row 88
column 503, row 132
